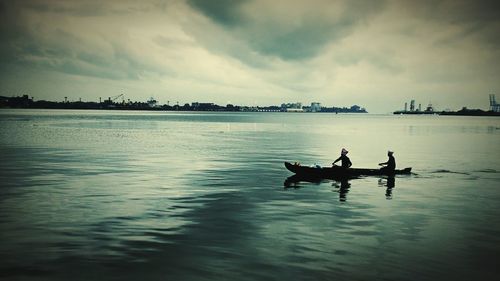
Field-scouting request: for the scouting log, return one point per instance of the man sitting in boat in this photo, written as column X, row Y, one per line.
column 390, row 165
column 346, row 162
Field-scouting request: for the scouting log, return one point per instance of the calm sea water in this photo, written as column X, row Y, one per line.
column 114, row 195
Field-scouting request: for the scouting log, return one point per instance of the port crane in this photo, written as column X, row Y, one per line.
column 109, row 103
column 494, row 106
column 113, row 98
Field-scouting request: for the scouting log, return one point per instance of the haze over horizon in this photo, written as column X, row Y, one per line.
column 377, row 54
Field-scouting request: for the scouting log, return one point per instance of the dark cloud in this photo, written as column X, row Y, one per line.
column 69, row 55
column 477, row 19
column 301, row 42
column 453, row 11
column 475, row 11
column 45, row 44
column 300, row 36
column 226, row 12
column 10, row 22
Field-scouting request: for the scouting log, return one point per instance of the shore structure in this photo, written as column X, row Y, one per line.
column 494, row 110
column 114, row 103
column 413, row 110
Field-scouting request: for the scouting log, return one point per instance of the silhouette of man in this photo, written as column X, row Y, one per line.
column 390, row 165
column 346, row 162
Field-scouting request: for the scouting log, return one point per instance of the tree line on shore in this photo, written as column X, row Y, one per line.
column 26, row 102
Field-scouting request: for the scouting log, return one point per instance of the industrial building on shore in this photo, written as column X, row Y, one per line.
column 494, row 109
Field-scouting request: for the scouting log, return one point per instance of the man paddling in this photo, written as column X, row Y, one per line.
column 390, row 165
column 346, row 162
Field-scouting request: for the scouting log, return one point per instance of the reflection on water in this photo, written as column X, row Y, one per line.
column 343, row 189
column 341, row 185
column 390, row 183
column 90, row 195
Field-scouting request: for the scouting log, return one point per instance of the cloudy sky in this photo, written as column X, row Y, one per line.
column 377, row 54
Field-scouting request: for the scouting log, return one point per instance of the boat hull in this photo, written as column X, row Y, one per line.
column 337, row 172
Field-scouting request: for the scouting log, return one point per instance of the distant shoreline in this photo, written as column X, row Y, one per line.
column 462, row 112
column 444, row 113
column 151, row 105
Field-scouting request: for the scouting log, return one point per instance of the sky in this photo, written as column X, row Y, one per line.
column 378, row 54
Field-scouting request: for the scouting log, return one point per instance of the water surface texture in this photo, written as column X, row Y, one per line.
column 114, row 195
